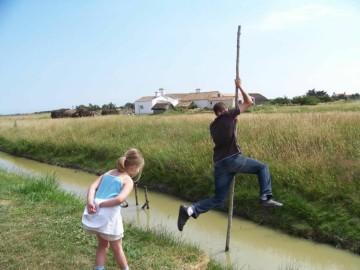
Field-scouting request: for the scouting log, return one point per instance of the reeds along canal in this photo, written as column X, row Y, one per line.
column 251, row 246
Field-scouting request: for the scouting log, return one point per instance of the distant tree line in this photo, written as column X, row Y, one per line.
column 313, row 97
column 110, row 106
column 92, row 110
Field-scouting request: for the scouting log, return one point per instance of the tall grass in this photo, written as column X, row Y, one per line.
column 314, row 159
column 337, row 106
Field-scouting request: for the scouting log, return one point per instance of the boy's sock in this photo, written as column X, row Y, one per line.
column 190, row 211
column 98, row 267
column 126, row 268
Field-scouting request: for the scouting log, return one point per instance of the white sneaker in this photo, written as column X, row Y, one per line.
column 270, row 203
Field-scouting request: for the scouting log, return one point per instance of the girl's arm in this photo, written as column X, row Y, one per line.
column 91, row 195
column 125, row 192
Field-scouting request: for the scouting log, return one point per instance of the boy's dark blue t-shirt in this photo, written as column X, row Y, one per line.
column 222, row 132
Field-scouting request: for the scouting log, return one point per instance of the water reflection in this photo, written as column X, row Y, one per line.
column 251, row 247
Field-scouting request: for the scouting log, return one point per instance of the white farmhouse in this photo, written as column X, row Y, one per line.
column 150, row 104
column 146, row 104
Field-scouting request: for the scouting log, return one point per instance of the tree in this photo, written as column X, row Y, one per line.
column 109, row 106
column 281, row 101
column 297, row 100
column 305, row 100
column 92, row 107
column 81, row 106
column 130, row 105
column 311, row 93
column 112, row 106
column 192, row 105
column 310, row 100
column 355, row 96
column 325, row 98
column 341, row 96
column 321, row 95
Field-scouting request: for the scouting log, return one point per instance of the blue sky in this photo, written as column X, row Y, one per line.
column 59, row 54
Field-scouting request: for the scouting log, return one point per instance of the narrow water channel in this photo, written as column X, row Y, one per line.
column 252, row 247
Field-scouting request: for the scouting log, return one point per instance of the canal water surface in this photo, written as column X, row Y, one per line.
column 252, row 247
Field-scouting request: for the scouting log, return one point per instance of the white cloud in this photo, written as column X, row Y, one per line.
column 285, row 19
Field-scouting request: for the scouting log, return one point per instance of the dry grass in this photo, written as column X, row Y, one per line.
column 313, row 157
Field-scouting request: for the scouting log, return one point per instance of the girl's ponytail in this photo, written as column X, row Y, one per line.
column 132, row 157
column 121, row 164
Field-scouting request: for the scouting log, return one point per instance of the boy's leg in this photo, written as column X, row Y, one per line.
column 101, row 251
column 119, row 255
column 252, row 166
column 222, row 184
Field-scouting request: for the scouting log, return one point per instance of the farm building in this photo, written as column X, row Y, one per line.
column 162, row 107
column 156, row 104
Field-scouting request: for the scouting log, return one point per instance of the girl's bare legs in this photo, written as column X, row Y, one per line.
column 119, row 254
column 101, row 251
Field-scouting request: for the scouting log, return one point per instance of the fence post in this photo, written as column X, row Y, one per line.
column 146, row 199
column 136, row 195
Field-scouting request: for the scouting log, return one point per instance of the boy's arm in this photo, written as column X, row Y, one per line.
column 247, row 99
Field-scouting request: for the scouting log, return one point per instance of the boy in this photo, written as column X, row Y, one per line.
column 228, row 160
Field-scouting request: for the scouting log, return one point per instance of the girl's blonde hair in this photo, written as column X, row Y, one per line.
column 132, row 157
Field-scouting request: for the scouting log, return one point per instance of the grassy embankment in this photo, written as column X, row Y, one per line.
column 41, row 228
column 314, row 159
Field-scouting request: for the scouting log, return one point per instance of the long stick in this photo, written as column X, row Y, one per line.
column 232, row 187
column 136, row 195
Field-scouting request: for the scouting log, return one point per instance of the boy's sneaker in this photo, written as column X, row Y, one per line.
column 271, row 203
column 183, row 217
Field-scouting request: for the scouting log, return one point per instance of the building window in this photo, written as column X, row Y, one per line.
column 140, row 107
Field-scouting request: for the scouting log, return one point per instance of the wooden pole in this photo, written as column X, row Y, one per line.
column 146, row 199
column 136, row 194
column 232, row 187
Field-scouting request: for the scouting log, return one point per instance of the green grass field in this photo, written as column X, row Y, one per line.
column 43, row 230
column 312, row 151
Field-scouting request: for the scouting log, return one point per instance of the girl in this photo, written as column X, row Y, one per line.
column 102, row 215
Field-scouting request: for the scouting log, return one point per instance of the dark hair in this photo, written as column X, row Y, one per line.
column 219, row 107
